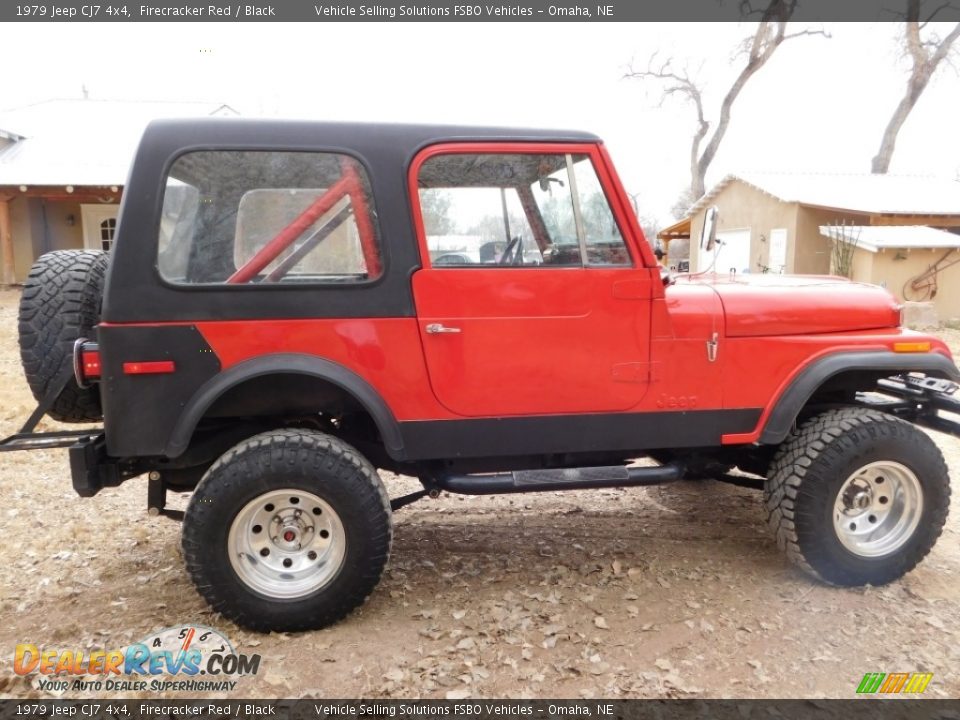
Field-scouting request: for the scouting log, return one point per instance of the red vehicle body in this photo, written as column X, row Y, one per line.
column 553, row 367
column 763, row 333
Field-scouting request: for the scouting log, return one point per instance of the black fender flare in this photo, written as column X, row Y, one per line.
column 287, row 363
column 805, row 384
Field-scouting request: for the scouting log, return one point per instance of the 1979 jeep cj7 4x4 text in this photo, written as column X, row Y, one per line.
column 290, row 306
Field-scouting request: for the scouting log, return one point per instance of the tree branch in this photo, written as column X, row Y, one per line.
column 770, row 33
column 926, row 55
column 802, row 33
column 931, row 16
column 678, row 83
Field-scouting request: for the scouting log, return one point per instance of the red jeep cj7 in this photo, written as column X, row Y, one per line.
column 290, row 306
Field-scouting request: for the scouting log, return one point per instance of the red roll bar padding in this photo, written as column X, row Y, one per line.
column 361, row 216
column 529, row 204
column 269, row 252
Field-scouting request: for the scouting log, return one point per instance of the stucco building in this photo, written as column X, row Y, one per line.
column 780, row 223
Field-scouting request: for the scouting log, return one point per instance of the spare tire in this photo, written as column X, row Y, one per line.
column 61, row 303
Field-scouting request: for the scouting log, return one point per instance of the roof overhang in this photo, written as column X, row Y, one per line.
column 893, row 200
column 680, row 230
column 874, row 238
column 67, row 193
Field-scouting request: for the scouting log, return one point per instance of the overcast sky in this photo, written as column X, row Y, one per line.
column 819, row 105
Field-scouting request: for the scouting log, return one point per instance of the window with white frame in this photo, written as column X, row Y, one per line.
column 108, row 228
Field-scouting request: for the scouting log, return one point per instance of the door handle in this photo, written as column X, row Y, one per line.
column 437, row 328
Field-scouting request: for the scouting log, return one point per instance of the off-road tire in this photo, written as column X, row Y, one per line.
column 812, row 466
column 60, row 303
column 282, row 459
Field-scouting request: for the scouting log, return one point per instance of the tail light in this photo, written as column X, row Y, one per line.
column 86, row 362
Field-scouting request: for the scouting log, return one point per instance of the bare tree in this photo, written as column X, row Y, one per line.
column 757, row 48
column 682, row 205
column 926, row 54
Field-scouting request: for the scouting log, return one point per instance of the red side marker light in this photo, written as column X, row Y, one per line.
column 157, row 367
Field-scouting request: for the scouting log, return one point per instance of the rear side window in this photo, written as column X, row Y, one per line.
column 252, row 217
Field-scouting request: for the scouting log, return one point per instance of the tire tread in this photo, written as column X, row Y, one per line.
column 61, row 302
column 790, row 480
column 254, row 458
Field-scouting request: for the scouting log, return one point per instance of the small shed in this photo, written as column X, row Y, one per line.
column 916, row 263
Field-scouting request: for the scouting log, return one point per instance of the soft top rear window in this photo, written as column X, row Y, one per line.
column 257, row 217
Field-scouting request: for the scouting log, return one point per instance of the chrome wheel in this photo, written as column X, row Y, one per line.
column 286, row 544
column 878, row 509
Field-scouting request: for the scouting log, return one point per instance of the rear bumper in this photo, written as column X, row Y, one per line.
column 90, row 467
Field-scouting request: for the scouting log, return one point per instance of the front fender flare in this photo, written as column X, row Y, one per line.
column 287, row 363
column 804, row 385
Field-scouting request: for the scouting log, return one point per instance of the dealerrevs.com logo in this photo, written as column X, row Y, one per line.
column 186, row 658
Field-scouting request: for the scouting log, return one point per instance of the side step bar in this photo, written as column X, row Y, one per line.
column 589, row 478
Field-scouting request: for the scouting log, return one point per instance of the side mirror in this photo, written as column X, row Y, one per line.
column 708, row 234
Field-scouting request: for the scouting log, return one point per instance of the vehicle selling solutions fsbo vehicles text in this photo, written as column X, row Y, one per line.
column 382, row 11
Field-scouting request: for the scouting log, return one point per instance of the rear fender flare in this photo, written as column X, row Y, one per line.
column 287, row 363
column 806, row 383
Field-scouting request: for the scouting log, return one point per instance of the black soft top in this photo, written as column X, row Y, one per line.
column 356, row 135
column 135, row 291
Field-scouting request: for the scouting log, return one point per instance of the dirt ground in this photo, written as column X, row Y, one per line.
column 670, row 591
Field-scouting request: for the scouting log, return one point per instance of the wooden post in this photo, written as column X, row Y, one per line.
column 6, row 242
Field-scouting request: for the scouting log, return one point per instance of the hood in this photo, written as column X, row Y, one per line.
column 800, row 304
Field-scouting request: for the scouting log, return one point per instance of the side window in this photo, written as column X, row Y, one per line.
column 605, row 245
column 517, row 210
column 248, row 217
column 476, row 226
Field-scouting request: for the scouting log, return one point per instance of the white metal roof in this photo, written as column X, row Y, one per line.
column 878, row 237
column 874, row 194
column 83, row 142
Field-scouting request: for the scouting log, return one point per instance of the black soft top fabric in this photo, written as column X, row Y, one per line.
column 135, row 292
